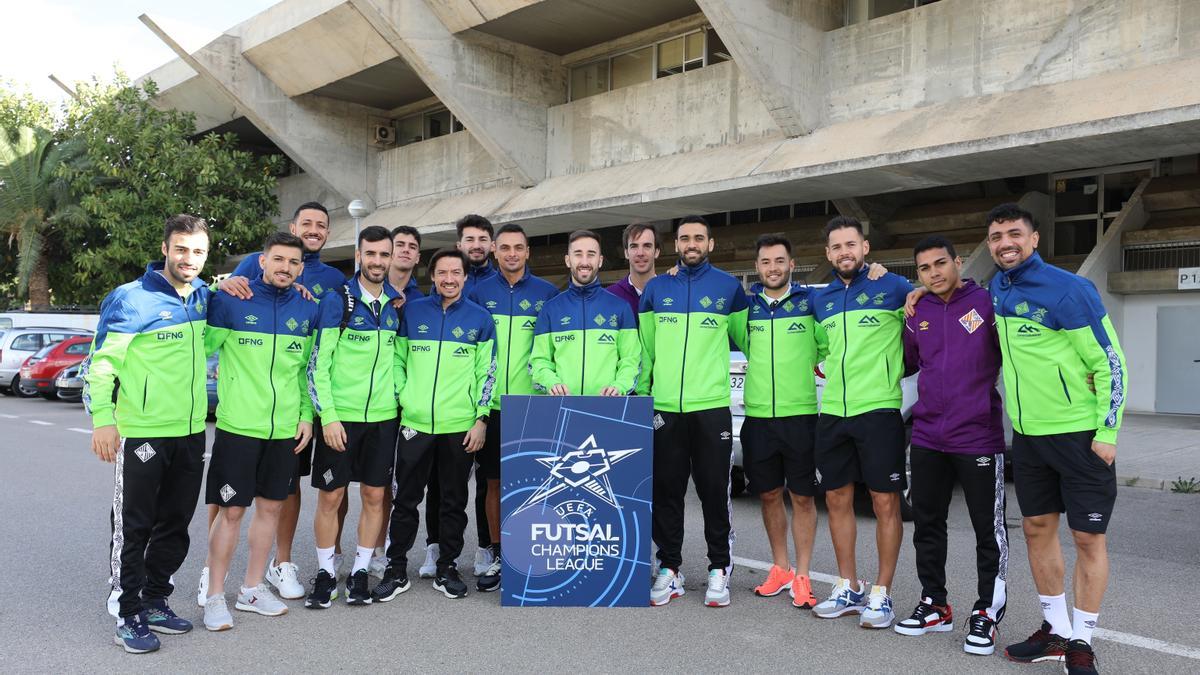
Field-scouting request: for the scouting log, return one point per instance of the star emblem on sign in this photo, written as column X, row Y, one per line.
column 585, row 468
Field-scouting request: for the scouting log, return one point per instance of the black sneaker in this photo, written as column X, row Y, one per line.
column 1041, row 646
column 324, row 591
column 927, row 618
column 450, row 583
column 490, row 579
column 981, row 637
column 394, row 582
column 1081, row 660
column 358, row 590
column 162, row 619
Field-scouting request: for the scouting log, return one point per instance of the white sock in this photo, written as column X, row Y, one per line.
column 1054, row 608
column 325, row 560
column 1084, row 624
column 362, row 558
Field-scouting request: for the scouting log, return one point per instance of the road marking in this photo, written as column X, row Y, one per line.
column 9, row 417
column 1101, row 633
column 81, row 431
column 41, row 423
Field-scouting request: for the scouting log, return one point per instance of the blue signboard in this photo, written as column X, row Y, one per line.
column 576, row 485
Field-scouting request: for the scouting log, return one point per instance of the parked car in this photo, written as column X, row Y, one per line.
column 40, row 370
column 68, row 386
column 18, row 344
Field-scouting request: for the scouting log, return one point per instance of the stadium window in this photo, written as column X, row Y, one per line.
column 589, row 79
column 743, row 217
column 633, row 68
column 769, row 213
column 679, row 54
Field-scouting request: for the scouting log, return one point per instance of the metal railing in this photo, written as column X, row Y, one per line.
column 1163, row 256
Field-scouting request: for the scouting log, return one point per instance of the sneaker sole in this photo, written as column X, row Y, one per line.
column 257, row 610
column 717, row 603
column 318, row 605
column 807, row 605
column 163, row 630
column 936, row 628
column 131, row 650
column 875, row 626
column 785, row 587
column 671, row 597
column 491, row 589
column 391, row 596
column 218, row 629
column 979, row 649
column 839, row 613
column 442, row 589
column 1039, row 659
column 357, row 602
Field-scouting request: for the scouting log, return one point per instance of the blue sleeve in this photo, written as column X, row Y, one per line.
column 249, row 267
column 331, row 307
column 646, row 301
column 218, row 311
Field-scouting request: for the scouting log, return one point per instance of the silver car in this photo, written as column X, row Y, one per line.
column 18, row 344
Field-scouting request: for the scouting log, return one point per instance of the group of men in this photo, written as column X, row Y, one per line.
column 401, row 393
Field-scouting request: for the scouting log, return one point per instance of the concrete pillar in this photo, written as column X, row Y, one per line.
column 327, row 138
column 778, row 44
column 501, row 91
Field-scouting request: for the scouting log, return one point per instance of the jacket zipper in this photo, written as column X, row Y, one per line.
column 1016, row 376
column 508, row 347
column 687, row 318
column 271, row 371
column 845, row 349
column 192, row 389
column 378, row 338
column 583, row 367
column 437, row 364
column 945, row 369
column 773, row 392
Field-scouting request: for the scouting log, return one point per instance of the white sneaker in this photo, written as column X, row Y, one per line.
column 429, row 567
column 717, row 594
column 260, row 600
column 668, row 584
column 216, row 613
column 878, row 612
column 378, row 565
column 202, row 588
column 285, row 577
column 483, row 560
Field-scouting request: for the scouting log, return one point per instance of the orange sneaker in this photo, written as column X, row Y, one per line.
column 778, row 580
column 802, row 595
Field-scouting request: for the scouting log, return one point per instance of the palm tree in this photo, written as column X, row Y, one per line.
column 34, row 201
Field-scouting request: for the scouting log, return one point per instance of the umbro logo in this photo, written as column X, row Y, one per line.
column 165, row 315
column 227, row 493
column 422, row 329
column 144, row 452
column 895, row 477
column 725, row 435
column 606, row 339
column 868, row 321
column 252, row 320
column 490, row 304
column 983, row 461
column 1095, row 517
column 667, row 302
column 1028, row 329
column 565, row 320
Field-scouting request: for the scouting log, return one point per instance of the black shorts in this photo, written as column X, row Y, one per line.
column 778, row 451
column 368, row 459
column 867, row 448
column 242, row 468
column 488, row 457
column 1060, row 473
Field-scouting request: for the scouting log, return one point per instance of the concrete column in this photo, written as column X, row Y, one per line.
column 327, row 138
column 501, row 91
column 778, row 44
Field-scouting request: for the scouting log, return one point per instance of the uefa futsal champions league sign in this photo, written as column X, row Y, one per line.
column 576, row 484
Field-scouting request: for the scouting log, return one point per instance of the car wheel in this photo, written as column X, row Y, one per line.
column 737, row 482
column 21, row 393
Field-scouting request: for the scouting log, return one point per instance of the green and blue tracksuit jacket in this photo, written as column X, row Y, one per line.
column 586, row 339
column 514, row 311
column 780, row 354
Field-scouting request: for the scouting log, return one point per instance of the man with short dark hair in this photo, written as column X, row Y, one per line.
column 860, row 434
column 640, row 244
column 687, row 321
column 446, row 366
column 353, row 385
column 957, row 437
column 513, row 297
column 264, row 419
column 310, row 222
column 406, row 255
column 475, row 235
column 586, row 341
column 150, row 337
column 1054, row 332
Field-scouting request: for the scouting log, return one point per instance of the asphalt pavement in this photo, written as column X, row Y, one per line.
column 56, row 497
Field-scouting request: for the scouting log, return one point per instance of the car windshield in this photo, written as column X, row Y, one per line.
column 41, row 353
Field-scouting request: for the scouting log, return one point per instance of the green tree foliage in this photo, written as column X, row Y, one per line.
column 142, row 164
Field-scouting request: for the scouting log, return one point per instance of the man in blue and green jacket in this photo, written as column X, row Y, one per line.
column 151, row 338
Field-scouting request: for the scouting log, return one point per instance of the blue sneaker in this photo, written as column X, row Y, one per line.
column 842, row 601
column 878, row 613
column 163, row 620
column 135, row 636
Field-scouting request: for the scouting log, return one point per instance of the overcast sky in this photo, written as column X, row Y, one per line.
column 76, row 39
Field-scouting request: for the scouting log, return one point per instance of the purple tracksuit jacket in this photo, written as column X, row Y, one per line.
column 955, row 348
column 625, row 291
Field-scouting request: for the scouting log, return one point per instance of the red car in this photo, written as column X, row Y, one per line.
column 38, row 371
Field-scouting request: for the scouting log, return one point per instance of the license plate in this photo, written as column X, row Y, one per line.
column 737, row 382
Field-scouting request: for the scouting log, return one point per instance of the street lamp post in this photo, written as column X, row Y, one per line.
column 358, row 210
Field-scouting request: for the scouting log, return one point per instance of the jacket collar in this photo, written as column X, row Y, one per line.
column 586, row 291
column 504, row 280
column 311, row 257
column 356, row 288
column 478, row 272
column 969, row 286
column 155, row 281
column 259, row 286
column 1031, row 264
column 757, row 288
column 694, row 271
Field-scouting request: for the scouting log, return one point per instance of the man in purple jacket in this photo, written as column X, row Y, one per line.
column 640, row 241
column 957, row 435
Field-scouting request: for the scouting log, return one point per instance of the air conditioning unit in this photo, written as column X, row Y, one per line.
column 384, row 136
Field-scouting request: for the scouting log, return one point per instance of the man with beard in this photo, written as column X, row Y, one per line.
column 1054, row 332
column 264, row 419
column 310, row 222
column 353, row 385
column 860, row 434
column 475, row 234
column 446, row 363
column 686, row 323
column 586, row 341
column 640, row 242
column 513, row 297
column 150, row 337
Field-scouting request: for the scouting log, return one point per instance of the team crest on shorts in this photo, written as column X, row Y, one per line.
column 328, row 476
column 408, row 433
column 971, row 321
column 144, row 452
column 658, row 422
column 227, row 493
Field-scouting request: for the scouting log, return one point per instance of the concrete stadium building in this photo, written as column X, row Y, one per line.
column 764, row 115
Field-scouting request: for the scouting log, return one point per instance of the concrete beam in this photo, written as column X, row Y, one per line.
column 1142, row 281
column 327, row 138
column 1106, row 256
column 501, row 91
column 778, row 45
